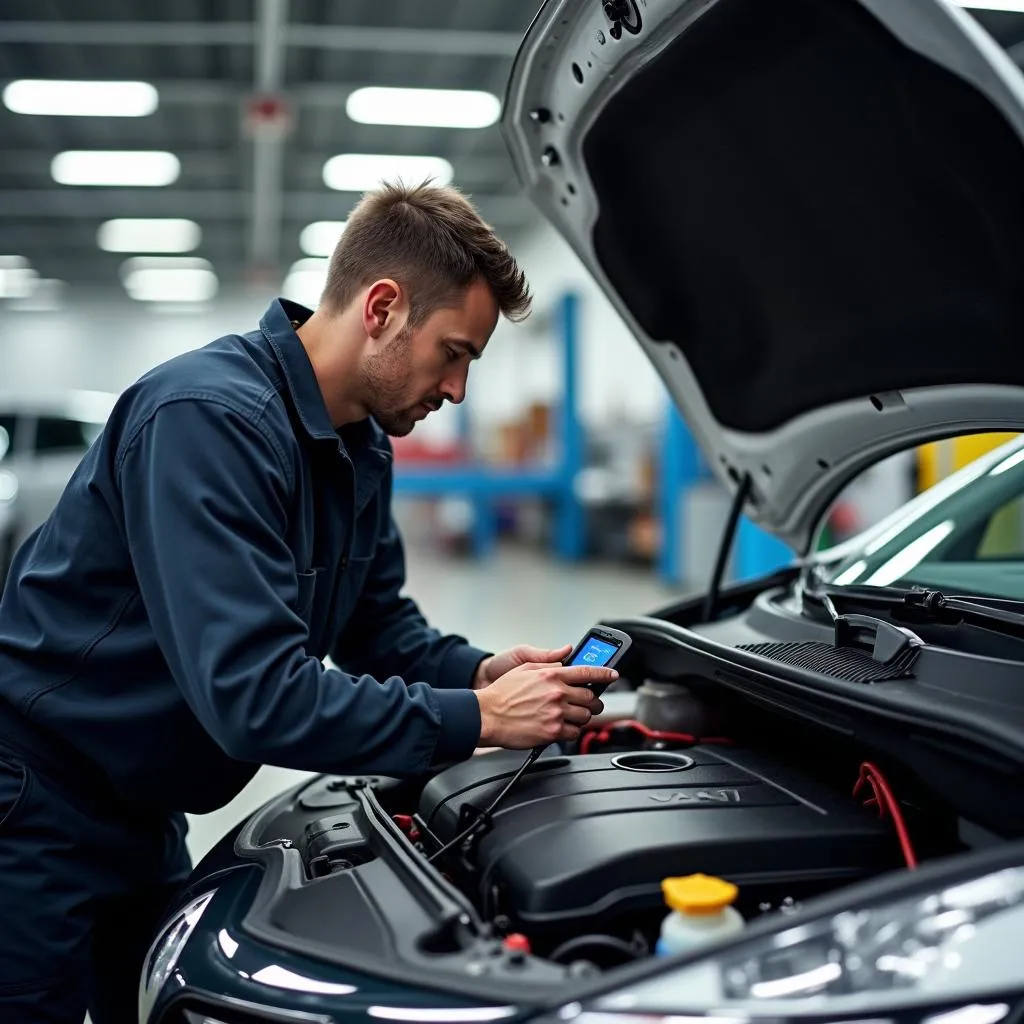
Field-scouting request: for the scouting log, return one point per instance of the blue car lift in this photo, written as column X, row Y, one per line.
column 757, row 552
column 482, row 484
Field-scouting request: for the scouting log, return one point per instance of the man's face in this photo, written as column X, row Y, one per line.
column 419, row 368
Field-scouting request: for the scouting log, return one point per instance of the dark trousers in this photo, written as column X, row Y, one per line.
column 83, row 887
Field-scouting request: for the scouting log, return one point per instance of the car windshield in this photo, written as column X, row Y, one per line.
column 7, row 427
column 964, row 535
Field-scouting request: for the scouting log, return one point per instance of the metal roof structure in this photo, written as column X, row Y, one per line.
column 210, row 60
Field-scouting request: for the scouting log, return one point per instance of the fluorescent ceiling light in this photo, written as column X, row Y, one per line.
column 430, row 108
column 305, row 282
column 45, row 296
column 17, row 278
column 130, row 234
column 166, row 279
column 172, row 285
column 360, row 172
column 993, row 5
column 80, row 99
column 164, row 263
column 8, row 481
column 320, row 238
column 115, row 167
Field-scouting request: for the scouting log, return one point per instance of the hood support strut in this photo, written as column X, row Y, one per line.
column 725, row 547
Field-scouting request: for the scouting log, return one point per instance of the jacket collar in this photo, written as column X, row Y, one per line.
column 276, row 326
column 364, row 442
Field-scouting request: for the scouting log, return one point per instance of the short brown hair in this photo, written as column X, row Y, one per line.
column 431, row 240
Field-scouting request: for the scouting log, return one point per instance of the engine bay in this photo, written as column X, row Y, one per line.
column 570, row 863
column 565, row 874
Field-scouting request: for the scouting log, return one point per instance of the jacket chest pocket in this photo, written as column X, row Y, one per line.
column 353, row 578
column 365, row 534
column 356, row 567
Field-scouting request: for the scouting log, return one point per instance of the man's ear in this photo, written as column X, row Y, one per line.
column 380, row 306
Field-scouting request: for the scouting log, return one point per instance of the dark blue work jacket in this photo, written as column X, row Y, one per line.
column 167, row 624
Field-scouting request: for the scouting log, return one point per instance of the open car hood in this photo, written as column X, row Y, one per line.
column 809, row 212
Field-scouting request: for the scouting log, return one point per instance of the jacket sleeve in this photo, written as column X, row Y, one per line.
column 205, row 491
column 387, row 634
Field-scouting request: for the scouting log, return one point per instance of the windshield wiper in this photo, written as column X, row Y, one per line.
column 922, row 604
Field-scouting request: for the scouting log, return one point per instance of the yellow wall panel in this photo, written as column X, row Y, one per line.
column 937, row 460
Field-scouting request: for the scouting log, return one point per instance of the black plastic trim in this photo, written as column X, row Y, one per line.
column 283, row 870
column 852, row 666
column 802, row 682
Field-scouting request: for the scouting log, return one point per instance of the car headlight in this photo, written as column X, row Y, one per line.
column 166, row 950
column 961, row 941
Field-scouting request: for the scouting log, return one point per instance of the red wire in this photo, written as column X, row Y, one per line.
column 602, row 734
column 886, row 800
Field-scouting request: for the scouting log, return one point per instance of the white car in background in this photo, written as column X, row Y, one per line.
column 42, row 440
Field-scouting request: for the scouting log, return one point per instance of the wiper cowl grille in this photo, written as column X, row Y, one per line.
column 847, row 664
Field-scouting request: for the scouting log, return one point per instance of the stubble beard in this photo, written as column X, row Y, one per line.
column 385, row 386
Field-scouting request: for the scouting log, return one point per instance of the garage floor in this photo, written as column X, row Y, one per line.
column 518, row 597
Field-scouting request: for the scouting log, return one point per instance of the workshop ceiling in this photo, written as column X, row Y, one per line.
column 208, row 59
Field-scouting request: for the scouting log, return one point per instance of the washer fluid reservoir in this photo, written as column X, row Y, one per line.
column 702, row 912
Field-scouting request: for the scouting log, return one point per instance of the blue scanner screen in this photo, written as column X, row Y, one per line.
column 594, row 652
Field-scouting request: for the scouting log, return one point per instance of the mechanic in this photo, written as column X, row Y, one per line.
column 163, row 633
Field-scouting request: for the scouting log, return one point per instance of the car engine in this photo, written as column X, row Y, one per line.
column 581, row 843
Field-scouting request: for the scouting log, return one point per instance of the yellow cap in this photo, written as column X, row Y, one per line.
column 698, row 894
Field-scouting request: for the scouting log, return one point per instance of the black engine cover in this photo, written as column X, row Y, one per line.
column 592, row 836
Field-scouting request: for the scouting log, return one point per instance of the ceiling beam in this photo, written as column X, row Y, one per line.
column 268, row 146
column 212, row 204
column 437, row 42
column 471, row 170
column 446, row 42
column 223, row 237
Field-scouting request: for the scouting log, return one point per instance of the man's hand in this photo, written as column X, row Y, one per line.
column 497, row 665
column 536, row 704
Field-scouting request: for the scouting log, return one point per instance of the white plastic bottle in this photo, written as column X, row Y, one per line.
column 702, row 912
